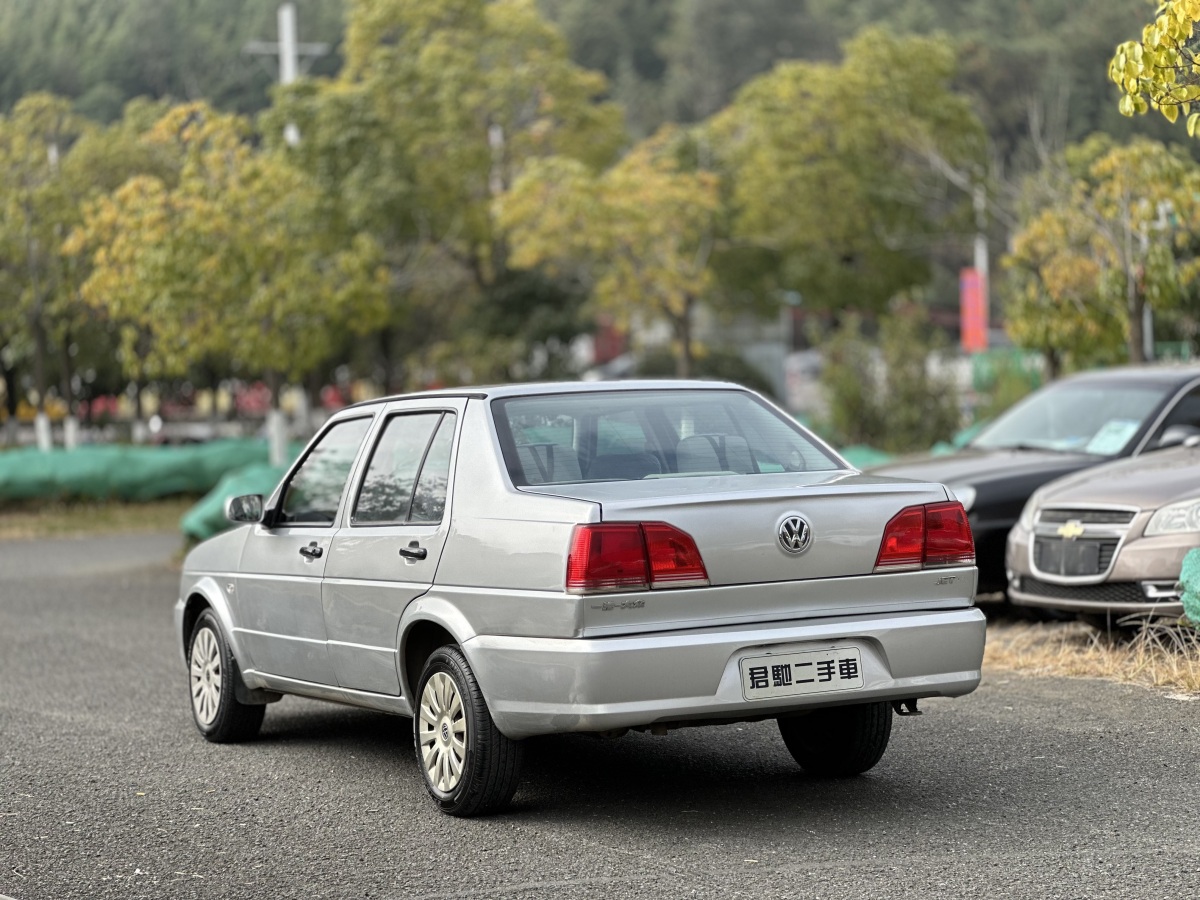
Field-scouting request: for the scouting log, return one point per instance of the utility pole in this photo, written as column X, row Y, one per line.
column 290, row 53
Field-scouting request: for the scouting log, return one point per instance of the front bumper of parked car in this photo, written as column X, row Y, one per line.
column 1143, row 579
column 548, row 685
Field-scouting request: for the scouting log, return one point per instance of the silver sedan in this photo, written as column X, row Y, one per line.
column 506, row 562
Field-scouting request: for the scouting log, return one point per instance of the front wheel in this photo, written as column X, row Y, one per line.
column 218, row 714
column 469, row 767
column 839, row 741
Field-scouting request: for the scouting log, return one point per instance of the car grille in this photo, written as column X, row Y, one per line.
column 1087, row 516
column 1111, row 592
column 1074, row 558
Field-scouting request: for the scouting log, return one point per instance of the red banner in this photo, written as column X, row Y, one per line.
column 973, row 324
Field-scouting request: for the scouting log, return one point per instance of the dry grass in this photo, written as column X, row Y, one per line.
column 1162, row 654
column 72, row 519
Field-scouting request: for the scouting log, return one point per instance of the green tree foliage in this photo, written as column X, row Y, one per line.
column 1113, row 236
column 640, row 234
column 441, row 104
column 716, row 46
column 40, row 190
column 101, row 53
column 835, row 167
column 887, row 396
column 230, row 262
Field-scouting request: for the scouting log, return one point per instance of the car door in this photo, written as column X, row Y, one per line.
column 280, row 621
column 387, row 551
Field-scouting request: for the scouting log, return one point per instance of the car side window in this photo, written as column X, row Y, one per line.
column 429, row 501
column 1185, row 412
column 315, row 490
column 396, row 488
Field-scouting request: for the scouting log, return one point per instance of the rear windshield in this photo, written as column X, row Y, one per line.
column 630, row 435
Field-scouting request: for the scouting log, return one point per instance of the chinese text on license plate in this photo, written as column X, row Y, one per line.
column 810, row 672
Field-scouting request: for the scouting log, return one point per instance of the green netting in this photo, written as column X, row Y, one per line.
column 861, row 456
column 1189, row 578
column 207, row 517
column 122, row 472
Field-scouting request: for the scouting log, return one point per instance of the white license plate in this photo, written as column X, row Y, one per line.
column 808, row 672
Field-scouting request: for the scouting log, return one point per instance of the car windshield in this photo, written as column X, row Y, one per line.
column 631, row 435
column 1101, row 419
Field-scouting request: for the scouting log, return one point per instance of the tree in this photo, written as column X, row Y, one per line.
column 441, row 104
column 640, row 234
column 836, row 170
column 1114, row 241
column 1162, row 70
column 231, row 262
column 889, row 397
column 37, row 207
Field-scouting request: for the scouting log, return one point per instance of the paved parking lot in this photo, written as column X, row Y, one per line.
column 1028, row 788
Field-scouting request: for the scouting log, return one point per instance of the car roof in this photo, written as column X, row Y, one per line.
column 1157, row 375
column 538, row 388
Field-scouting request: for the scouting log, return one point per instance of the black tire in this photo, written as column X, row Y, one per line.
column 840, row 741
column 212, row 676
column 489, row 764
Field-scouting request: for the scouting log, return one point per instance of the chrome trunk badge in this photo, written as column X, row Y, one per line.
column 795, row 534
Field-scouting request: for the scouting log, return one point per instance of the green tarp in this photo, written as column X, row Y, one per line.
column 123, row 472
column 207, row 517
column 1189, row 578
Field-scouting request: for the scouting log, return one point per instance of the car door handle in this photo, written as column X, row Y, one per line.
column 414, row 551
column 311, row 552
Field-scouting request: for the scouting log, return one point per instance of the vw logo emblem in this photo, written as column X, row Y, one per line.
column 795, row 534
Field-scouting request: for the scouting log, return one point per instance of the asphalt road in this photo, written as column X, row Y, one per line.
column 1031, row 787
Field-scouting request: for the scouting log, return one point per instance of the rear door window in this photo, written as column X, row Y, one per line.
column 409, row 468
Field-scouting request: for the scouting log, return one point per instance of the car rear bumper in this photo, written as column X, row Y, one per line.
column 548, row 685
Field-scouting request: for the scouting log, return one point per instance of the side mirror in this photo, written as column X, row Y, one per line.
column 246, row 508
column 1175, row 435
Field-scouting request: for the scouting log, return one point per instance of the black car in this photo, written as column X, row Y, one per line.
column 1071, row 424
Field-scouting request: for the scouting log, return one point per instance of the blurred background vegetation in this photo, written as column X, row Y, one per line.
column 488, row 191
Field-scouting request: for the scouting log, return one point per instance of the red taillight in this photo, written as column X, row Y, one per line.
column 948, row 540
column 632, row 556
column 928, row 536
column 903, row 545
column 607, row 558
column 674, row 557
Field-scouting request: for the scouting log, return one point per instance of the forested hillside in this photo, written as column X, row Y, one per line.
column 666, row 60
column 102, row 53
column 682, row 60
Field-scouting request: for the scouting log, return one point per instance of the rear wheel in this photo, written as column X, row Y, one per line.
column 218, row 714
column 839, row 741
column 469, row 767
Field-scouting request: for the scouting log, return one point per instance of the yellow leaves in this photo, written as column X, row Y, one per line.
column 1154, row 73
column 641, row 232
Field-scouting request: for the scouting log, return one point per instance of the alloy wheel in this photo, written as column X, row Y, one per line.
column 443, row 732
column 206, row 676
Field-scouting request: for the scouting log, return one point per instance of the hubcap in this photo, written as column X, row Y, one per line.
column 206, row 676
column 443, row 732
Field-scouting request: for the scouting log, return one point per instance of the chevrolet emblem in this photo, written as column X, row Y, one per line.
column 1071, row 530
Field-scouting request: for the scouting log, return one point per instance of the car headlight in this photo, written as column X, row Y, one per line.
column 964, row 494
column 1029, row 511
column 1177, row 518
